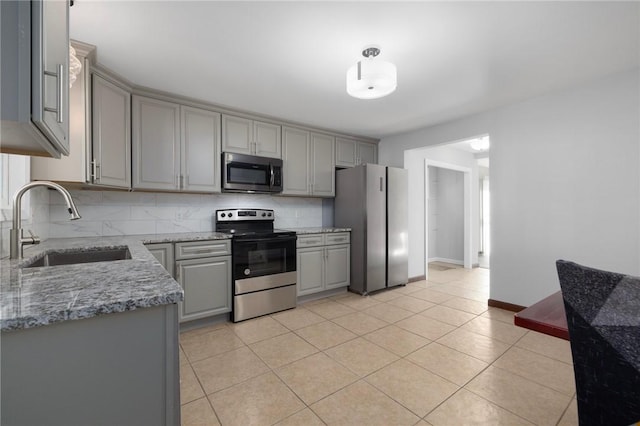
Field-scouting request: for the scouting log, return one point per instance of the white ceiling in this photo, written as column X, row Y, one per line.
column 289, row 59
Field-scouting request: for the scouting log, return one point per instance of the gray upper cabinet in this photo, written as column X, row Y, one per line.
column 200, row 150
column 156, row 144
column 350, row 153
column 175, row 147
column 367, row 153
column 322, row 165
column 245, row 136
column 309, row 163
column 296, row 151
column 35, row 77
column 111, row 134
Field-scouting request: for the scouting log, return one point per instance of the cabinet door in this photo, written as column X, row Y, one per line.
column 50, row 71
column 200, row 150
column 295, row 158
column 337, row 266
column 310, row 270
column 367, row 153
column 323, row 165
column 268, row 140
column 111, row 134
column 164, row 253
column 156, row 144
column 237, row 135
column 345, row 153
column 207, row 287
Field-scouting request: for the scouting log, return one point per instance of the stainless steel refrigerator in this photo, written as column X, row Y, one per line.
column 372, row 201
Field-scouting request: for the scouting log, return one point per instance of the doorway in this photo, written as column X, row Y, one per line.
column 448, row 203
column 445, row 202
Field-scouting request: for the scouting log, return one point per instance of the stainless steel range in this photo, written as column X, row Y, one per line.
column 264, row 262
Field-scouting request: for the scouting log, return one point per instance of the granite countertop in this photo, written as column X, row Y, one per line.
column 318, row 230
column 33, row 297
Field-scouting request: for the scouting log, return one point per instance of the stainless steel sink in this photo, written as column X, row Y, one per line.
column 54, row 258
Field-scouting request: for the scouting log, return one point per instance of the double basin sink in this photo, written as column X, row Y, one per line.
column 72, row 257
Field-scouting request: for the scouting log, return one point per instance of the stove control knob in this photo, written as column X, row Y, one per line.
column 270, row 214
column 230, row 214
column 223, row 214
column 263, row 214
column 247, row 271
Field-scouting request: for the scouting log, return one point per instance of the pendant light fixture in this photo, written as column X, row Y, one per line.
column 371, row 78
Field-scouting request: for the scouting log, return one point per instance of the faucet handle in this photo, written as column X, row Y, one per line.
column 34, row 238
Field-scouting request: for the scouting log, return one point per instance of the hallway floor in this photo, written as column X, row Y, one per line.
column 427, row 353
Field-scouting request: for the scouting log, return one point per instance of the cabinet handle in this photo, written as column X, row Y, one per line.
column 181, row 181
column 94, row 170
column 59, row 93
column 98, row 172
column 381, row 185
column 176, row 181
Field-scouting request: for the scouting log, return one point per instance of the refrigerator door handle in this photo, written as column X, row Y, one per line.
column 381, row 184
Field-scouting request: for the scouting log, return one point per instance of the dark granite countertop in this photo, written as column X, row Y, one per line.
column 33, row 297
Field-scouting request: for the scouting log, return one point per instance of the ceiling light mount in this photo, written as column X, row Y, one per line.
column 371, row 78
column 371, row 51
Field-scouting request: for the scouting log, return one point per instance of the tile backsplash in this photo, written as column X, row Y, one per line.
column 106, row 213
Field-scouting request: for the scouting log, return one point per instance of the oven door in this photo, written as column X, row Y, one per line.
column 262, row 256
column 247, row 173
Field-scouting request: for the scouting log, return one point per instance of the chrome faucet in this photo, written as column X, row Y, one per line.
column 16, row 238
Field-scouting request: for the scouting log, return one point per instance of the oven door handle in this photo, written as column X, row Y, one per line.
column 274, row 238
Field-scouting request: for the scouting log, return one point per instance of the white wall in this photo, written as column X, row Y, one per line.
column 449, row 202
column 414, row 162
column 565, row 182
column 107, row 213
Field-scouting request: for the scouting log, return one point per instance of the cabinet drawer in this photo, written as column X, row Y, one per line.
column 337, row 238
column 311, row 240
column 196, row 249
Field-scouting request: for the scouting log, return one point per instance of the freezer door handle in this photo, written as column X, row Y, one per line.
column 381, row 185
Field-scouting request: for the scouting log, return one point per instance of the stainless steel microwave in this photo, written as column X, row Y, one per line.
column 249, row 173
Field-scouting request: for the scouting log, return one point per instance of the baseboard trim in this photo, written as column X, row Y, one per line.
column 505, row 305
column 418, row 278
column 445, row 260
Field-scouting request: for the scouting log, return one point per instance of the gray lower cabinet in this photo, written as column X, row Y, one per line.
column 323, row 262
column 203, row 269
column 310, row 266
column 164, row 253
column 115, row 369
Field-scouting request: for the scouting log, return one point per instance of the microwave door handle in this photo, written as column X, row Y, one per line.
column 272, row 181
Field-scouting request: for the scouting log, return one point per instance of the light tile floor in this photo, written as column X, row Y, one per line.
column 429, row 353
